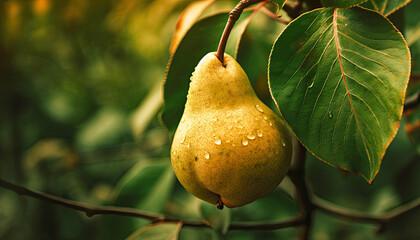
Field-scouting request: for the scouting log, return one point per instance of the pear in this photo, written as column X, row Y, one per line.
column 229, row 148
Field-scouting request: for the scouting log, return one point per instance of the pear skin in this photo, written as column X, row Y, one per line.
column 229, row 146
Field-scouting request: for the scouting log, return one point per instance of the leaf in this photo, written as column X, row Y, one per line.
column 385, row 7
column 146, row 186
column 202, row 38
column 219, row 220
column 339, row 78
column 341, row 3
column 145, row 112
column 158, row 231
column 279, row 3
column 186, row 20
column 412, row 33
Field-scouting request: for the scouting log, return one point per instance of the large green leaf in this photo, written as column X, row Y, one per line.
column 202, row 38
column 385, row 7
column 341, row 3
column 158, row 231
column 339, row 78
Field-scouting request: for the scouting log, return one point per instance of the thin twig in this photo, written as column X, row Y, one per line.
column 353, row 215
column 233, row 17
column 91, row 210
column 303, row 195
column 274, row 16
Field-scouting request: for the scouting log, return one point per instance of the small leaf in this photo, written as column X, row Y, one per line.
column 341, row 3
column 158, row 231
column 219, row 220
column 202, row 38
column 339, row 78
column 385, row 7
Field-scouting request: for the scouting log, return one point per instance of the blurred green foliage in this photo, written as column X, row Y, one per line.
column 73, row 76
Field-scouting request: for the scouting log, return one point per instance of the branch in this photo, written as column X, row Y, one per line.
column 303, row 195
column 233, row 17
column 348, row 214
column 91, row 210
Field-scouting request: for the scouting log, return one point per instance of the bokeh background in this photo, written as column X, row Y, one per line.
column 80, row 96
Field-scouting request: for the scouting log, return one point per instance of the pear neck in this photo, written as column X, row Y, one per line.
column 215, row 86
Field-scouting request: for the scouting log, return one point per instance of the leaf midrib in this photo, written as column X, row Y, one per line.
column 345, row 83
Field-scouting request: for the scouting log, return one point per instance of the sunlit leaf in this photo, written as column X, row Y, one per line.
column 158, row 231
column 219, row 220
column 385, row 7
column 186, row 20
column 202, row 38
column 339, row 78
column 341, row 3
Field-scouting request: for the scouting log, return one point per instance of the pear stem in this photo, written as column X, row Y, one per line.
column 220, row 204
column 233, row 17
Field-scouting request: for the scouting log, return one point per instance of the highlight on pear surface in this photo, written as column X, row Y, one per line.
column 229, row 148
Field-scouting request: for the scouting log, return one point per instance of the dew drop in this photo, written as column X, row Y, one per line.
column 270, row 123
column 218, row 141
column 233, row 145
column 259, row 133
column 283, row 142
column 206, row 155
column 251, row 136
column 174, row 152
column 258, row 107
column 330, row 114
column 182, row 120
column 228, row 141
column 183, row 140
column 191, row 78
column 244, row 141
column 265, row 117
column 188, row 146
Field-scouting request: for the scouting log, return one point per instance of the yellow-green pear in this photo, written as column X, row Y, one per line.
column 229, row 148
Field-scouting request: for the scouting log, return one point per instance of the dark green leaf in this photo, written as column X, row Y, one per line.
column 341, row 3
column 147, row 186
column 219, row 220
column 202, row 38
column 158, row 231
column 339, row 78
column 385, row 7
